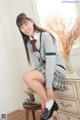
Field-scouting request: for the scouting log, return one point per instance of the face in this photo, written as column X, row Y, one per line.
column 27, row 28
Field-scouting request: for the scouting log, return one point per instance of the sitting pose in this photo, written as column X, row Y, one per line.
column 49, row 72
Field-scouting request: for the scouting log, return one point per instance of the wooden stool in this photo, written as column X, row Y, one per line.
column 31, row 107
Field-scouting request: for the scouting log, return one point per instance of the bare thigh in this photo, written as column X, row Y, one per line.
column 35, row 75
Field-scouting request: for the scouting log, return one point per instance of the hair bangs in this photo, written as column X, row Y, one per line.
column 21, row 21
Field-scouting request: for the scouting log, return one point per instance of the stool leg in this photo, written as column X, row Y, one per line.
column 33, row 114
column 27, row 114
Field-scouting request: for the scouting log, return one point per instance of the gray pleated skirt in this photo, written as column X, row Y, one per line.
column 58, row 82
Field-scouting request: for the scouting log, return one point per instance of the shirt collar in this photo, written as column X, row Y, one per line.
column 36, row 36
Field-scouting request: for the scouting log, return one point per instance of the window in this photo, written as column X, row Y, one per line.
column 56, row 8
column 64, row 10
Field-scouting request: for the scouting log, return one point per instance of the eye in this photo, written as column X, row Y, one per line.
column 21, row 27
column 26, row 23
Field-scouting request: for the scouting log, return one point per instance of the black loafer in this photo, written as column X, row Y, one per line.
column 44, row 114
column 48, row 113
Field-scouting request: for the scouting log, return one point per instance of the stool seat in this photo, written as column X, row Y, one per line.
column 31, row 107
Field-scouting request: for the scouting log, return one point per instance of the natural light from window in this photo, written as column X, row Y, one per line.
column 56, row 8
column 64, row 10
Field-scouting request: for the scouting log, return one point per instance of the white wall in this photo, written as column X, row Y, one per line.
column 78, row 8
column 75, row 53
column 75, row 59
column 13, row 62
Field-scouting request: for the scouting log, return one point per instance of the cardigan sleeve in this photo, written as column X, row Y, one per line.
column 50, row 52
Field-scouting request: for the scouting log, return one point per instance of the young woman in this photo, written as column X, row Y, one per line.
column 49, row 72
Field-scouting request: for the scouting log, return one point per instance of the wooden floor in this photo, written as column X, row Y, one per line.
column 21, row 115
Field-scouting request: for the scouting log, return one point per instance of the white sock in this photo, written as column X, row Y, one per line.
column 49, row 104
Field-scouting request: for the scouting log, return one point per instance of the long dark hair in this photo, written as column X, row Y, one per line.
column 21, row 19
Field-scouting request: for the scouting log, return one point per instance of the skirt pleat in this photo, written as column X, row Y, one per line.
column 58, row 82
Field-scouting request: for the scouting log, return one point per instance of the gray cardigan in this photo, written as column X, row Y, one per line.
column 50, row 55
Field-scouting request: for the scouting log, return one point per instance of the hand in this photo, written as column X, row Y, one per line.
column 49, row 92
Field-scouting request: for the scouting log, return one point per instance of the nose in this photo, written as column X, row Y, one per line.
column 25, row 29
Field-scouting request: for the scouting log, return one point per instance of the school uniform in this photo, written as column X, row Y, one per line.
column 48, row 60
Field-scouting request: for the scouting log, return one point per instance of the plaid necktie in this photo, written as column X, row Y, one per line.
column 33, row 42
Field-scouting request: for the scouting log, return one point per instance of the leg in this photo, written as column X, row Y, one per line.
column 33, row 114
column 42, row 105
column 35, row 80
column 27, row 114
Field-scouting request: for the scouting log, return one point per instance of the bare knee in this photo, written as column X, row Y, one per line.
column 26, row 77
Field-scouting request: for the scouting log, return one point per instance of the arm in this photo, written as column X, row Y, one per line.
column 50, row 51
